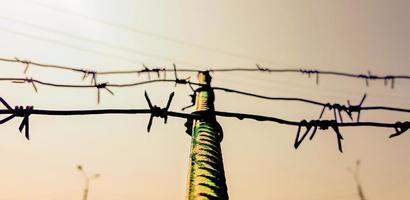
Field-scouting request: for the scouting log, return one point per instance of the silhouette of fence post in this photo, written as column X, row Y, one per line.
column 206, row 178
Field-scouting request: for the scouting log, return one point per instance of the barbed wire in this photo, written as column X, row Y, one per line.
column 94, row 84
column 311, row 126
column 388, row 79
column 337, row 108
column 348, row 108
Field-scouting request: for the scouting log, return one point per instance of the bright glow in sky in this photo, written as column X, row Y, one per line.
column 260, row 162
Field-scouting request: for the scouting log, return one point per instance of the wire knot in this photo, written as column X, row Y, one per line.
column 18, row 111
column 157, row 111
column 314, row 125
column 368, row 77
column 27, row 62
column 262, row 69
column 392, row 80
column 310, row 72
column 154, row 70
column 372, row 77
column 356, row 108
column 180, row 81
column 88, row 72
column 349, row 110
column 28, row 80
column 102, row 86
column 337, row 111
column 146, row 70
column 22, row 61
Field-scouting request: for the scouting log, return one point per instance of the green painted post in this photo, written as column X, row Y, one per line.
column 206, row 178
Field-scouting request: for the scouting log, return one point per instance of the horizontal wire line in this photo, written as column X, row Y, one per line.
column 238, row 69
column 228, row 90
column 305, row 100
column 240, row 116
column 28, row 80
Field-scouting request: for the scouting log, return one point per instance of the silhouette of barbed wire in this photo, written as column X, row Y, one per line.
column 311, row 126
column 347, row 108
column 366, row 77
column 155, row 111
column 337, row 109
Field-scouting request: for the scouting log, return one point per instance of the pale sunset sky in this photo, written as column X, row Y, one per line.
column 260, row 161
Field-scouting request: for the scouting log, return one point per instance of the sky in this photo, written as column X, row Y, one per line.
column 260, row 161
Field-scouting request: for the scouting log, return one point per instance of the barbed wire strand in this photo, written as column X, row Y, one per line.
column 349, row 109
column 309, row 72
column 327, row 105
column 155, row 111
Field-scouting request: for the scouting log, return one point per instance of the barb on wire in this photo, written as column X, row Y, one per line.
column 337, row 111
column 27, row 80
column 147, row 70
column 157, row 70
column 177, row 80
column 317, row 124
column 165, row 73
column 18, row 111
column 91, row 73
column 299, row 140
column 153, row 70
column 349, row 110
column 193, row 99
column 400, row 128
column 369, row 76
column 100, row 86
column 157, row 111
column 192, row 96
column 26, row 62
column 357, row 108
column 262, row 69
column 310, row 72
column 391, row 78
column 366, row 77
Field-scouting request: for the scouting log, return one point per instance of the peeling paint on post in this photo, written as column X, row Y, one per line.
column 206, row 178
